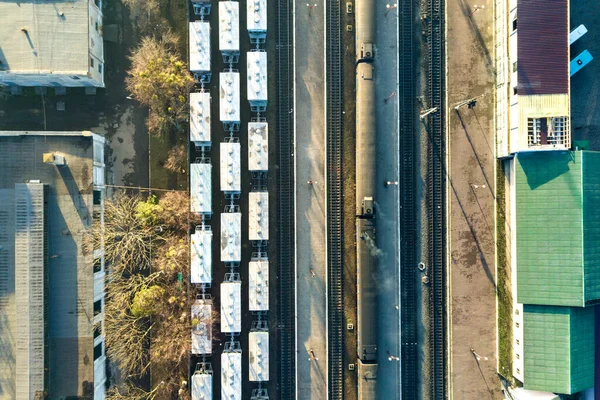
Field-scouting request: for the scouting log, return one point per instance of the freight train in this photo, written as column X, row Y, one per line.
column 366, row 261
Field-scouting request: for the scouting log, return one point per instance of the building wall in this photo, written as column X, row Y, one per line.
column 591, row 224
column 549, row 228
column 76, row 79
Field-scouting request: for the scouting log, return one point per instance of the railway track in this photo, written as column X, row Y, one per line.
column 334, row 106
column 408, row 290
column 285, row 134
column 436, row 198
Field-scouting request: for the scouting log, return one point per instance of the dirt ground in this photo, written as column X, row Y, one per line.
column 349, row 218
column 471, row 194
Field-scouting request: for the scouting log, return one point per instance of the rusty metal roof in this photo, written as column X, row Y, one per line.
column 543, row 57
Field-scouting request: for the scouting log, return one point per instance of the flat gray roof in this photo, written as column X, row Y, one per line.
column 44, row 36
column 70, row 272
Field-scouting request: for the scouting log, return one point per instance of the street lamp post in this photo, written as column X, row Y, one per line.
column 477, row 356
column 475, row 9
column 472, row 102
column 310, row 7
column 390, row 7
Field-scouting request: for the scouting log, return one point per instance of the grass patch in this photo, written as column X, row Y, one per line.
column 503, row 291
column 159, row 150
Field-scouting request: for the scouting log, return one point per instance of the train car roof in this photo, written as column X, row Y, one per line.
column 230, row 176
column 202, row 331
column 256, row 62
column 231, row 308
column 231, row 375
column 229, row 26
column 258, row 216
column 202, row 386
column 229, row 96
column 200, row 117
column 200, row 188
column 201, row 256
column 258, row 348
column 199, row 37
column 258, row 146
column 256, row 15
column 258, row 285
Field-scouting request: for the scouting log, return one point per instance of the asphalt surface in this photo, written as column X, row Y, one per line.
column 309, row 112
column 387, row 200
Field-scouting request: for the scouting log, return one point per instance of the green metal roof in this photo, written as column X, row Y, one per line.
column 558, row 349
column 558, row 227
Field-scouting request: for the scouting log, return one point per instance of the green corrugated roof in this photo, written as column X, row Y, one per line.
column 591, row 224
column 549, row 228
column 558, row 349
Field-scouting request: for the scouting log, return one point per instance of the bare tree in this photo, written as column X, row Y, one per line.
column 126, row 234
column 127, row 336
column 160, row 80
column 177, row 159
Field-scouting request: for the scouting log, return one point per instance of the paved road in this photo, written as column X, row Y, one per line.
column 309, row 109
column 386, row 81
column 471, row 197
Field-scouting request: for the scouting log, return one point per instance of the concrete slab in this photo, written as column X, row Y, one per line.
column 311, row 310
column 471, row 196
column 387, row 201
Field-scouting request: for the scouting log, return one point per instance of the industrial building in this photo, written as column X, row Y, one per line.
column 231, row 306
column 258, row 285
column 202, row 321
column 258, row 216
column 201, row 188
column 199, row 37
column 48, row 43
column 258, row 355
column 202, row 382
column 257, row 80
column 229, row 30
column 201, row 255
column 231, row 373
column 554, row 225
column 229, row 105
column 258, row 146
column 200, row 119
column 230, row 176
column 256, row 20
column 533, row 102
column 52, row 285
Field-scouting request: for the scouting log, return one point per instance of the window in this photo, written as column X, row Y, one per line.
column 518, row 371
column 517, row 324
column 515, row 91
column 92, row 62
column 514, row 26
column 97, row 330
column 518, row 341
column 100, row 68
column 75, row 77
column 97, row 265
column 97, row 307
column 516, row 311
column 98, row 351
column 515, row 66
column 97, row 197
column 96, row 25
column 518, row 356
